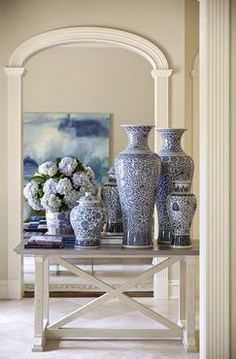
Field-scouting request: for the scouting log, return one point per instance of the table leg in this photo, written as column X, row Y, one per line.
column 40, row 302
column 182, row 293
column 189, row 339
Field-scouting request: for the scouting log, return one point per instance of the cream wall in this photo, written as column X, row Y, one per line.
column 110, row 80
column 233, row 180
column 23, row 19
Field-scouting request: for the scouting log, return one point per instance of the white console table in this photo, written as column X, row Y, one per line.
column 44, row 329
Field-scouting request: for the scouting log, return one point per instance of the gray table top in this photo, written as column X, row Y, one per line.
column 111, row 250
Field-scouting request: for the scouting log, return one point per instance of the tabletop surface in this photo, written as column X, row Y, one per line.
column 110, row 250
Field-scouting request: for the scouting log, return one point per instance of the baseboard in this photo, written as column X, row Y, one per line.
column 3, row 289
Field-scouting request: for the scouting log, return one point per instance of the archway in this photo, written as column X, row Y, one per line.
column 15, row 70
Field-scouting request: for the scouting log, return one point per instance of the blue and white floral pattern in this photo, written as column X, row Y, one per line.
column 181, row 206
column 58, row 222
column 111, row 199
column 175, row 165
column 87, row 220
column 137, row 172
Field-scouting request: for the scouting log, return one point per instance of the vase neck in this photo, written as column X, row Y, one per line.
column 138, row 137
column 172, row 140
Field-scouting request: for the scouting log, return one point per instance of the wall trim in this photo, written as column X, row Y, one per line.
column 214, row 179
column 15, row 70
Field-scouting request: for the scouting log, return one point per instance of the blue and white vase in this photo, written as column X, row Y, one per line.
column 110, row 197
column 137, row 172
column 175, row 165
column 58, row 223
column 87, row 220
column 181, row 206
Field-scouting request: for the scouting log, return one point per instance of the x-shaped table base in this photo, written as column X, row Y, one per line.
column 56, row 330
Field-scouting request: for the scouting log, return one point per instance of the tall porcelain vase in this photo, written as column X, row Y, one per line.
column 175, row 165
column 137, row 172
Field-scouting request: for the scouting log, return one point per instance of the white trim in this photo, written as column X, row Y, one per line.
column 15, row 70
column 3, row 289
column 214, row 179
column 83, row 34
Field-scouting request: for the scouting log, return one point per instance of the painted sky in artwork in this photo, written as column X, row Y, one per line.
column 51, row 135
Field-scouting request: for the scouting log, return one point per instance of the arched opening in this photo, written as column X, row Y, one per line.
column 15, row 70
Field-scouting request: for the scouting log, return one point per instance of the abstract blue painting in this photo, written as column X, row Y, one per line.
column 51, row 135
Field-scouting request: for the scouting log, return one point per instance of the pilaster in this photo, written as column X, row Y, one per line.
column 214, row 179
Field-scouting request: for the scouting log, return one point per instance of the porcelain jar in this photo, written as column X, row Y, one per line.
column 175, row 165
column 87, row 220
column 181, row 206
column 110, row 197
column 137, row 172
column 58, row 223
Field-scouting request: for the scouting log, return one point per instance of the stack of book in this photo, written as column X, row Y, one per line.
column 49, row 241
column 35, row 224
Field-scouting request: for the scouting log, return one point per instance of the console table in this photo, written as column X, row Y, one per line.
column 44, row 329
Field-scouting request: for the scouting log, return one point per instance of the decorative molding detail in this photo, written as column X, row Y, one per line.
column 14, row 178
column 71, row 35
column 194, row 132
column 3, row 289
column 14, row 71
column 214, row 179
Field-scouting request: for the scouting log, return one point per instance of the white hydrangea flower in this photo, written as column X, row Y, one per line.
column 31, row 190
column 35, row 204
column 68, row 165
column 50, row 186
column 51, row 202
column 79, row 179
column 48, row 168
column 89, row 172
column 72, row 198
column 64, row 186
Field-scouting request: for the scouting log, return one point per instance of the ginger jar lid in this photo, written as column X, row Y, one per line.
column 89, row 200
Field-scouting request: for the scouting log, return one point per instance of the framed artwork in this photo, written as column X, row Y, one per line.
column 51, row 135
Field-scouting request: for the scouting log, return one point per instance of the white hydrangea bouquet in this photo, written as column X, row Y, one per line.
column 57, row 186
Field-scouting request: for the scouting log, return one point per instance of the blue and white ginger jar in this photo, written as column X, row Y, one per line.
column 181, row 206
column 87, row 220
column 111, row 199
column 58, row 223
column 175, row 165
column 137, row 172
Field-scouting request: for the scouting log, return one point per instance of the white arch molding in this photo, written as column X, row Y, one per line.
column 15, row 70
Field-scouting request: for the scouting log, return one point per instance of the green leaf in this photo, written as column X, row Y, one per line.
column 80, row 166
column 37, row 179
column 57, row 161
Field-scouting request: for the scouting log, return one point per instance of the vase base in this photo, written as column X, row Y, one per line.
column 164, row 243
column 114, row 228
column 181, row 241
column 164, row 237
column 137, row 240
column 86, row 247
column 136, row 247
column 180, row 247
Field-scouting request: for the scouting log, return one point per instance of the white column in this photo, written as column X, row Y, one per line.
column 214, row 179
column 14, row 179
column 161, row 116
